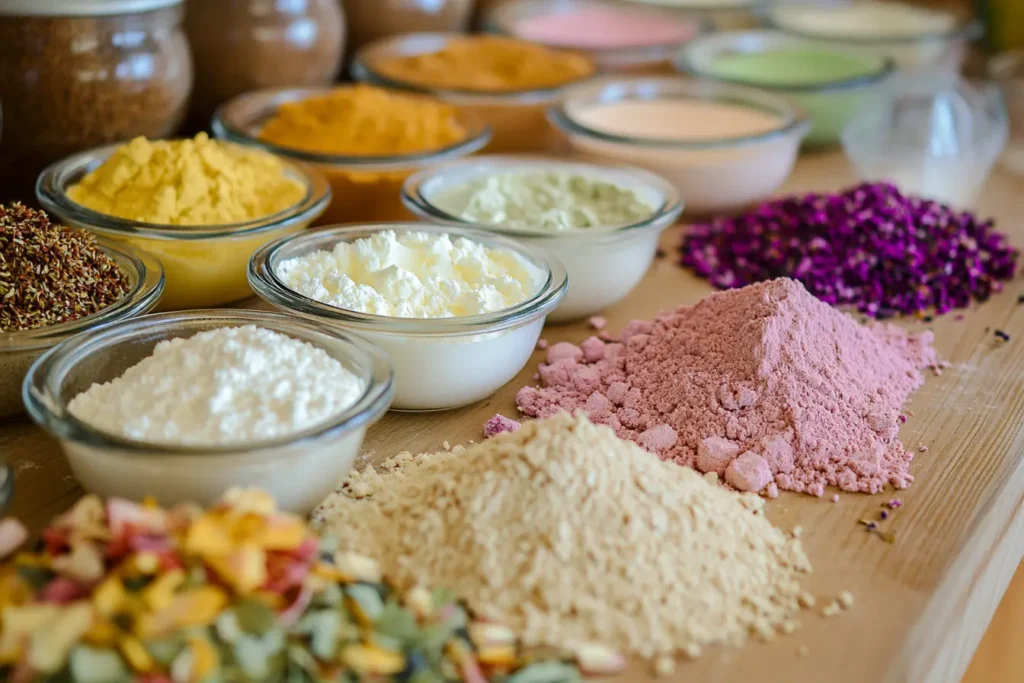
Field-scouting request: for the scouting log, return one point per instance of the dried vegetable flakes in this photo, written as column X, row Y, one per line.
column 119, row 591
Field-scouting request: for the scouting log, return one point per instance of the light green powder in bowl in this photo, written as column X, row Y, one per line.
column 544, row 202
column 829, row 83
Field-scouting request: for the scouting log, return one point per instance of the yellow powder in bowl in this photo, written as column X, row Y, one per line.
column 362, row 120
column 490, row 64
column 197, row 182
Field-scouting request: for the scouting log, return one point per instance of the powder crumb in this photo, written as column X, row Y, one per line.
column 601, row 542
column 772, row 490
column 542, row 344
column 766, row 370
column 445, row 445
column 798, row 531
column 806, row 600
column 664, row 666
column 499, row 424
column 711, row 477
column 922, row 449
column 803, row 651
column 895, row 503
column 789, row 627
column 845, row 599
column 835, row 497
column 598, row 322
column 693, row 651
column 831, row 610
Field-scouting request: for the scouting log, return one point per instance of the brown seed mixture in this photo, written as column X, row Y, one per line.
column 572, row 536
column 50, row 274
column 73, row 82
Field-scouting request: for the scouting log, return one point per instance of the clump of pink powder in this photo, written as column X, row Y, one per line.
column 764, row 384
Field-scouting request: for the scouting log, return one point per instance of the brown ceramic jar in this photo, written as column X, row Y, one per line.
column 369, row 21
column 243, row 45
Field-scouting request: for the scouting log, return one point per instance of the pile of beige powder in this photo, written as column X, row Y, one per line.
column 574, row 536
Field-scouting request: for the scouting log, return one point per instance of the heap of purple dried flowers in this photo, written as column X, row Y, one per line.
column 869, row 247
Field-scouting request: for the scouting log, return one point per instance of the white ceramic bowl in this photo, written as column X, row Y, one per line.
column 439, row 363
column 298, row 470
column 604, row 263
column 711, row 175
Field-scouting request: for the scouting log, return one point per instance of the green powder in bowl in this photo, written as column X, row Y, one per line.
column 829, row 83
column 544, row 202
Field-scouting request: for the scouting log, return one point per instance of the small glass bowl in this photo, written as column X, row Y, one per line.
column 205, row 265
column 515, row 117
column 440, row 363
column 298, row 470
column 643, row 58
column 1007, row 69
column 711, row 176
column 19, row 350
column 927, row 50
column 604, row 264
column 365, row 188
column 831, row 104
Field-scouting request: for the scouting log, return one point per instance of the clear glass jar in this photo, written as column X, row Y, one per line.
column 369, row 21
column 77, row 75
column 242, row 45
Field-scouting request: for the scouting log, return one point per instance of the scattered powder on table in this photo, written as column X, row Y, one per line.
column 869, row 247
column 575, row 537
column 759, row 384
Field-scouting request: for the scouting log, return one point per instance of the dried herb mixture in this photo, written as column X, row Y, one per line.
column 119, row 592
column 50, row 274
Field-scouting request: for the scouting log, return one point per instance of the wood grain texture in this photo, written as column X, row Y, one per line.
column 923, row 603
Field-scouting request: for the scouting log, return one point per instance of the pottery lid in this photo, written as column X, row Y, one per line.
column 81, row 8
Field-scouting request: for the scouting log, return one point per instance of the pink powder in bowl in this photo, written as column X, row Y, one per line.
column 766, row 384
column 604, row 28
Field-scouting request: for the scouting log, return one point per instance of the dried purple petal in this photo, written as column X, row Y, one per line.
column 870, row 247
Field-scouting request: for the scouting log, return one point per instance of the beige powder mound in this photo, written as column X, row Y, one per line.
column 574, row 536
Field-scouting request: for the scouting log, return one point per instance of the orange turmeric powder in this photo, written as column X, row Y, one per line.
column 362, row 120
column 485, row 63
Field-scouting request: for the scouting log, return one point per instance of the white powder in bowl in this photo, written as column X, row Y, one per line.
column 222, row 386
column 413, row 275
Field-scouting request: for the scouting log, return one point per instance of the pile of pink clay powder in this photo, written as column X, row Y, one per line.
column 765, row 386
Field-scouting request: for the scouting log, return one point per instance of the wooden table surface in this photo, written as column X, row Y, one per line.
column 922, row 603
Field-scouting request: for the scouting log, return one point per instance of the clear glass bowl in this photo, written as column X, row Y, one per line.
column 604, row 264
column 642, row 58
column 711, row 176
column 440, row 363
column 205, row 265
column 942, row 50
column 365, row 188
column 19, row 350
column 831, row 104
column 299, row 470
column 1007, row 70
column 516, row 117
column 933, row 138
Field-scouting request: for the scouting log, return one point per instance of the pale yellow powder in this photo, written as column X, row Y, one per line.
column 571, row 536
column 198, row 182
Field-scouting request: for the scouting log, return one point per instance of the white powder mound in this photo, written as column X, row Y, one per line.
column 573, row 536
column 413, row 275
column 229, row 385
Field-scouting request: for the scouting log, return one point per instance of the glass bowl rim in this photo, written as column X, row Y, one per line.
column 363, row 72
column 53, row 183
column 668, row 213
column 141, row 298
column 501, row 18
column 685, row 62
column 53, row 415
column 225, row 127
column 265, row 282
column 965, row 29
column 793, row 119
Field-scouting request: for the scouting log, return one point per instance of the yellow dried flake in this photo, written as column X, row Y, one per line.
column 110, row 596
column 370, row 660
column 160, row 594
column 245, row 569
column 204, row 659
column 135, row 654
column 194, row 607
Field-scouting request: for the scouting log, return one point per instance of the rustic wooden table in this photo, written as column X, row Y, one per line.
column 922, row 603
